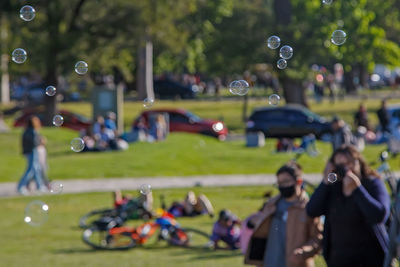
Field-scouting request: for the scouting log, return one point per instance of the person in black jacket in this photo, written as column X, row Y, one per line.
column 30, row 141
column 356, row 207
column 383, row 116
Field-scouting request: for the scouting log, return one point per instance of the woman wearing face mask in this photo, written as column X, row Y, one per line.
column 283, row 233
column 356, row 207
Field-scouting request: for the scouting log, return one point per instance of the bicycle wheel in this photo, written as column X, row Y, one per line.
column 99, row 239
column 190, row 238
column 87, row 220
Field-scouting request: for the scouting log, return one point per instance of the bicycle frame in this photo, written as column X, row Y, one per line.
column 143, row 232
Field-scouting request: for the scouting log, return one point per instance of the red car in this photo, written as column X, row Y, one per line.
column 71, row 120
column 181, row 120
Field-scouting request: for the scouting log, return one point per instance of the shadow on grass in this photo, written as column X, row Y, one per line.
column 207, row 254
column 75, row 251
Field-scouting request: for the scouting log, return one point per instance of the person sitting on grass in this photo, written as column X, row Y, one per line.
column 283, row 235
column 192, row 206
column 227, row 230
column 130, row 207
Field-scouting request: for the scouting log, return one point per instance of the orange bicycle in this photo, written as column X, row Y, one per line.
column 105, row 234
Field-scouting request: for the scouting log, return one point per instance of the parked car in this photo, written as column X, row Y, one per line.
column 181, row 120
column 171, row 89
column 71, row 120
column 291, row 121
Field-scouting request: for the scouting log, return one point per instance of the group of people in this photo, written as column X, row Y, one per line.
column 152, row 128
column 103, row 135
column 386, row 131
column 346, row 219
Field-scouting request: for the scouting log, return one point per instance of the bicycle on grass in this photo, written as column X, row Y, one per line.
column 106, row 235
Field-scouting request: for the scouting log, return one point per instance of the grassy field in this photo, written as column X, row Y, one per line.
column 58, row 241
column 180, row 154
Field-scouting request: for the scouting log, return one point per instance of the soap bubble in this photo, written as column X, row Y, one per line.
column 234, row 87
column 51, row 90
column 19, row 55
column 244, row 87
column 145, row 189
column 36, row 213
column 338, row 37
column 327, row 2
column 273, row 42
column 77, row 144
column 27, row 13
column 81, row 67
column 240, row 87
column 274, row 99
column 58, row 120
column 286, row 52
column 148, row 102
column 332, row 177
column 56, row 187
column 281, row 64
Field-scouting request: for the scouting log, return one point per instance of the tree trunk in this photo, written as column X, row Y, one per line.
column 144, row 77
column 364, row 76
column 283, row 11
column 245, row 107
column 294, row 92
column 51, row 62
column 5, row 80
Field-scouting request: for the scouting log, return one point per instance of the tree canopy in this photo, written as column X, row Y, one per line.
column 217, row 38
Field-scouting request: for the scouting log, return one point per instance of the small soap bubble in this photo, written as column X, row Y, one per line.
column 281, row 64
column 36, row 213
column 274, row 99
column 77, row 144
column 58, row 120
column 332, row 177
column 19, row 56
column 81, row 67
column 145, row 189
column 273, row 42
column 148, row 102
column 27, row 13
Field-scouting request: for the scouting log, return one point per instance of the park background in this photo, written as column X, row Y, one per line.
column 216, row 39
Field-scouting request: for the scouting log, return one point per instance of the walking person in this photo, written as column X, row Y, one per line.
column 284, row 236
column 356, row 207
column 361, row 117
column 30, row 142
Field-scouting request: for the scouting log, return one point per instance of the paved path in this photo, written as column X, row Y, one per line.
column 109, row 184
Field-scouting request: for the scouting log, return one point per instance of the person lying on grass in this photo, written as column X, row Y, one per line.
column 192, row 206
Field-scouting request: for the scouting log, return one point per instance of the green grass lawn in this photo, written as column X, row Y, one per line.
column 58, row 241
column 180, row 154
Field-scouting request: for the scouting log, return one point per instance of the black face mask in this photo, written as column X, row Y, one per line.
column 287, row 191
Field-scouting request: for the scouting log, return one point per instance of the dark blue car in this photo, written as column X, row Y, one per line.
column 291, row 121
column 167, row 89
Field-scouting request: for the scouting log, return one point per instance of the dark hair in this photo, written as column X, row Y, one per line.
column 292, row 168
column 224, row 215
column 352, row 152
column 33, row 122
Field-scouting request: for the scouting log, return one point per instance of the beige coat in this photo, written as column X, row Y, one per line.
column 301, row 232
